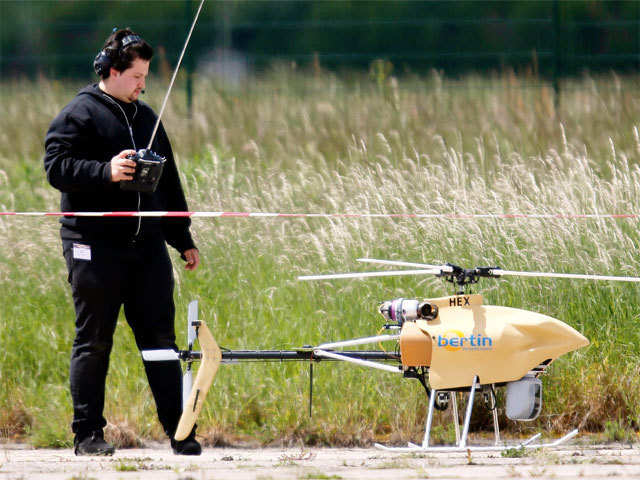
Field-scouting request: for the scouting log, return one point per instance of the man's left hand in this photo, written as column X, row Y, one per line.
column 193, row 259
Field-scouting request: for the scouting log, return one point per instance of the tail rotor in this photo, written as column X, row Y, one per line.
column 192, row 334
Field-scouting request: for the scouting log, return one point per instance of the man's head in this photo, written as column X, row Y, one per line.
column 123, row 64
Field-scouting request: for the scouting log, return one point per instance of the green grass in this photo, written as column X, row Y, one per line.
column 616, row 431
column 320, row 476
column 291, row 143
column 126, row 467
column 514, row 452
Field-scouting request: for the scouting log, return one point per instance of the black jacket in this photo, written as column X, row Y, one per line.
column 79, row 145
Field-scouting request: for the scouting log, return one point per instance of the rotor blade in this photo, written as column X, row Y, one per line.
column 211, row 358
column 192, row 316
column 160, row 355
column 390, row 273
column 187, row 385
column 444, row 268
column 578, row 276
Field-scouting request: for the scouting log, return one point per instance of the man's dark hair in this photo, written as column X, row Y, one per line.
column 123, row 57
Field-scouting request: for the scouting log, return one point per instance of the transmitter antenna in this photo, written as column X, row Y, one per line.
column 173, row 78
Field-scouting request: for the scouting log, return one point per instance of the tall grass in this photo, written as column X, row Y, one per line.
column 297, row 143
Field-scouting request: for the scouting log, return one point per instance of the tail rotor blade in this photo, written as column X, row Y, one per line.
column 187, row 385
column 211, row 358
column 192, row 316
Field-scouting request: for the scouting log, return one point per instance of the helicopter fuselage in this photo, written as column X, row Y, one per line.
column 497, row 344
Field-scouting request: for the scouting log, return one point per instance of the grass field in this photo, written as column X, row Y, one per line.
column 297, row 143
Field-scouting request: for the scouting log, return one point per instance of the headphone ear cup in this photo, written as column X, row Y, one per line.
column 102, row 63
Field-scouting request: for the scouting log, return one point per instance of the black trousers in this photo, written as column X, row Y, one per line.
column 139, row 276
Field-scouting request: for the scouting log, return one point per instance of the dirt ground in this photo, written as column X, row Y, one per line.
column 159, row 463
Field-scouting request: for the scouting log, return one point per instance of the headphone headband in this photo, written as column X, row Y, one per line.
column 129, row 39
column 103, row 61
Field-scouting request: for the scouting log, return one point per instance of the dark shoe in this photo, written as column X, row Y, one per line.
column 93, row 444
column 188, row 446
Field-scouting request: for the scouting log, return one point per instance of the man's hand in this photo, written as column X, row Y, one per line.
column 193, row 258
column 122, row 168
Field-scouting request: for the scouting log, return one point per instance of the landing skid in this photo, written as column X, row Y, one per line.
column 461, row 440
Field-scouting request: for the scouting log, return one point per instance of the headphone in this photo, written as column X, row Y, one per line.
column 103, row 61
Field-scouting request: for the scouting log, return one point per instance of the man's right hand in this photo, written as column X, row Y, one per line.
column 122, row 168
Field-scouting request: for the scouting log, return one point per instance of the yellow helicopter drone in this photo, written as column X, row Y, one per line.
column 450, row 344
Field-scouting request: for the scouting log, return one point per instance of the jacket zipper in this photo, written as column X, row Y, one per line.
column 134, row 147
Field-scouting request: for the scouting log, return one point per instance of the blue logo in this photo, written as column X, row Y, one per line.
column 454, row 340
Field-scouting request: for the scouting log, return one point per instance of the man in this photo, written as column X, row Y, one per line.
column 114, row 261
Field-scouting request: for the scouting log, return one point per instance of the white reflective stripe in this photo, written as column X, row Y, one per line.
column 357, row 361
column 159, row 355
column 390, row 273
column 206, row 214
column 579, row 276
column 92, row 214
column 358, row 341
column 151, row 214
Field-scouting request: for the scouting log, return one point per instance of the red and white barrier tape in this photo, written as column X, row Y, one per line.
column 451, row 216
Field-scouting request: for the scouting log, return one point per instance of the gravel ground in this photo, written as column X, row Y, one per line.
column 158, row 463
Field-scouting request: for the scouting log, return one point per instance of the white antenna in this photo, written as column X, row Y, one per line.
column 173, row 78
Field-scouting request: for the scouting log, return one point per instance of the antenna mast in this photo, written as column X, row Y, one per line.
column 173, row 78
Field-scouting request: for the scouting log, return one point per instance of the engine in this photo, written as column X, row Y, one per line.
column 402, row 310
